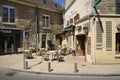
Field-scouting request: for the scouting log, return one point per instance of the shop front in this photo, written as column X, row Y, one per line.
column 10, row 40
column 80, row 46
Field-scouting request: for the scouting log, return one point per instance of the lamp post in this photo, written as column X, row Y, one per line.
column 85, row 30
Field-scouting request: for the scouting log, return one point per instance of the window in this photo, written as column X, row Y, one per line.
column 43, row 41
column 117, row 6
column 76, row 17
column 8, row 14
column 46, row 21
column 44, row 1
column 56, row 5
column 98, row 36
column 67, row 23
column 71, row 20
column 108, row 35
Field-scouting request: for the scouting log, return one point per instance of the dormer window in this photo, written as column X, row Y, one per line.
column 56, row 5
column 44, row 1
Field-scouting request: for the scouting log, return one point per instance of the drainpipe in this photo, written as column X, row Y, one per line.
column 94, row 32
column 36, row 25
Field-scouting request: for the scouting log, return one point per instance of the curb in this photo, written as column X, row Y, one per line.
column 65, row 74
column 69, row 74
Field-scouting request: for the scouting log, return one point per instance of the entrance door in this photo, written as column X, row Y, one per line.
column 43, row 41
column 9, row 44
column 118, row 43
column 81, row 45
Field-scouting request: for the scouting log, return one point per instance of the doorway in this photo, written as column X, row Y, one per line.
column 9, row 43
column 80, row 48
column 43, row 41
column 10, row 40
column 117, row 43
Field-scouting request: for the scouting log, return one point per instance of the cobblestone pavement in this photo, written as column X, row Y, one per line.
column 15, row 61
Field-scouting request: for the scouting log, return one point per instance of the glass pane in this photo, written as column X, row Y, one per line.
column 12, row 15
column 43, row 37
column 43, row 17
column 47, row 23
column 44, row 1
column 47, row 17
column 43, row 41
column 5, row 14
column 43, row 22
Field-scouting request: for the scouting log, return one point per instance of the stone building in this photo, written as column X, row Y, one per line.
column 96, row 29
column 26, row 23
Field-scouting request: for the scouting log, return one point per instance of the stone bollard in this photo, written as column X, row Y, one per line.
column 49, row 67
column 26, row 65
column 75, row 67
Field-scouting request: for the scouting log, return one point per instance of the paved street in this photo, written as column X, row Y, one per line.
column 15, row 61
column 8, row 74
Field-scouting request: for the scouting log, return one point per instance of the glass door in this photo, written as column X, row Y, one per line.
column 118, row 43
column 9, row 44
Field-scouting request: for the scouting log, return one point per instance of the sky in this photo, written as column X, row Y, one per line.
column 62, row 2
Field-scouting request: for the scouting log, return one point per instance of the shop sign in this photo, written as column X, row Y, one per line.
column 26, row 35
column 6, row 31
column 118, row 26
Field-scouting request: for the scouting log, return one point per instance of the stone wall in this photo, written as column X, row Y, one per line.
column 106, row 7
column 25, row 20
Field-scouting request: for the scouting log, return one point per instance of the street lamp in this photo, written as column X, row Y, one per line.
column 85, row 30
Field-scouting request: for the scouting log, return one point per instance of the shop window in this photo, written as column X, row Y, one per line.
column 8, row 14
column 46, row 21
column 108, row 35
column 98, row 36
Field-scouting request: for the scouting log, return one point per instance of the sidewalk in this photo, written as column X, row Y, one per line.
column 15, row 61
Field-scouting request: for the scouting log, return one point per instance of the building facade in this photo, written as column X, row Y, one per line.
column 26, row 23
column 96, row 33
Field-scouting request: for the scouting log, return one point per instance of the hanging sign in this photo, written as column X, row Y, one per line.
column 25, row 35
column 118, row 26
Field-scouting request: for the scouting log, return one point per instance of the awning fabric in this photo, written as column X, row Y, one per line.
column 49, row 42
column 70, row 28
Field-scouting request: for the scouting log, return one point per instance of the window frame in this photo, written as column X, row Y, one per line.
column 117, row 7
column 56, row 5
column 46, row 27
column 8, row 21
column 99, row 36
column 44, row 2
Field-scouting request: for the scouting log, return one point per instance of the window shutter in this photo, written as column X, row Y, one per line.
column 98, row 36
column 108, row 35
